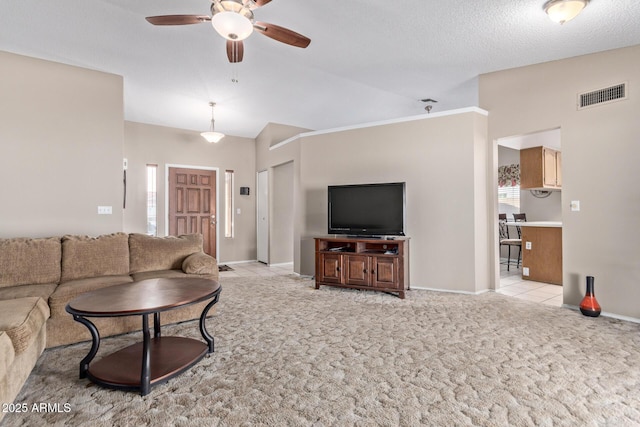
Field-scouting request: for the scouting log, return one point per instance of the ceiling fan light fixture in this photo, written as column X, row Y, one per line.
column 211, row 135
column 232, row 25
column 562, row 11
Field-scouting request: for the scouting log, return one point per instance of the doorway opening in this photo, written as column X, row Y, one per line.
column 275, row 215
column 262, row 217
column 517, row 202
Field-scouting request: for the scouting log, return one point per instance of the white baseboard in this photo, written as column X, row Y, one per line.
column 237, row 262
column 605, row 314
column 420, row 288
column 281, row 264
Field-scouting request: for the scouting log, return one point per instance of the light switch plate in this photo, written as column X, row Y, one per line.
column 527, row 245
column 525, row 271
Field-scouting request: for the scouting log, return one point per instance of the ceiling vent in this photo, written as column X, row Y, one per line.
column 602, row 96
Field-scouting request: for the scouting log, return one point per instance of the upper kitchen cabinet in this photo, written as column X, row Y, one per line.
column 540, row 168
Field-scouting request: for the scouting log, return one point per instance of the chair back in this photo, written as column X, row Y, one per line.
column 502, row 216
column 504, row 230
column 520, row 217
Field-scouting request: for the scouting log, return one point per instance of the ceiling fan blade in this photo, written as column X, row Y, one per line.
column 235, row 51
column 282, row 34
column 261, row 3
column 177, row 19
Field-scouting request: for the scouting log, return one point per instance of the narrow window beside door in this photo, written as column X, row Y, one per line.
column 152, row 200
column 228, row 204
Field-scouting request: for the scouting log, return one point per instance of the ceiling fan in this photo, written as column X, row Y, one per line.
column 233, row 20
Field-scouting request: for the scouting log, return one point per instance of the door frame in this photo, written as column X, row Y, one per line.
column 166, row 198
column 494, row 203
column 268, row 212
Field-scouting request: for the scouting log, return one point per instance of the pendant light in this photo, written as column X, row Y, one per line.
column 212, row 135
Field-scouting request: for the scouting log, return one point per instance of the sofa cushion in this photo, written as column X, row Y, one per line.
column 200, row 263
column 84, row 256
column 150, row 253
column 67, row 291
column 14, row 292
column 26, row 261
column 7, row 354
column 22, row 319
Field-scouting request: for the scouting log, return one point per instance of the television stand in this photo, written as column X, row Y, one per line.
column 366, row 263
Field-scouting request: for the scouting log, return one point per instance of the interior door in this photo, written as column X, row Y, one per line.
column 263, row 217
column 192, row 205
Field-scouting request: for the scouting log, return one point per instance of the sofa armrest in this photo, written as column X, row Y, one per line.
column 200, row 263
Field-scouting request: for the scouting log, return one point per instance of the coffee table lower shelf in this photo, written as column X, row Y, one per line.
column 170, row 356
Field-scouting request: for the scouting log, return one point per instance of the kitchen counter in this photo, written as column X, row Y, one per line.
column 542, row 251
column 538, row 224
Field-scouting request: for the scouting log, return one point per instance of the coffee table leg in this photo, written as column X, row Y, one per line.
column 145, row 376
column 156, row 325
column 203, row 329
column 95, row 344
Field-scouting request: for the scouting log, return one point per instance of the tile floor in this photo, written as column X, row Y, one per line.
column 511, row 282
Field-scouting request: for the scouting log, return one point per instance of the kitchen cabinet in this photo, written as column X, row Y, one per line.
column 540, row 168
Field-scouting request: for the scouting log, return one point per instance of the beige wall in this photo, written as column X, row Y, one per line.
column 443, row 160
column 600, row 155
column 149, row 144
column 268, row 158
column 282, row 214
column 61, row 148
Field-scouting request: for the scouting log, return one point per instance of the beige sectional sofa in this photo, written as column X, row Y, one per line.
column 38, row 278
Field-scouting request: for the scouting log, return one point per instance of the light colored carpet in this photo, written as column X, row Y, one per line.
column 290, row 355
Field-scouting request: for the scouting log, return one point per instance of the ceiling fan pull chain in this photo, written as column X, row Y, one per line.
column 234, row 73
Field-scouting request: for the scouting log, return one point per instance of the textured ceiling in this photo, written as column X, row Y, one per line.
column 368, row 59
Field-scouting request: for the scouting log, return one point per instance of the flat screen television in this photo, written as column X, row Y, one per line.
column 367, row 209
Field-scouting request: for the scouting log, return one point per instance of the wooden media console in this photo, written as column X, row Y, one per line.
column 377, row 264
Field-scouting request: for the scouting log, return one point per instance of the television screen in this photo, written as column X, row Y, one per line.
column 367, row 209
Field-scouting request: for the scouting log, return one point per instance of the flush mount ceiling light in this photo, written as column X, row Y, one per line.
column 562, row 11
column 212, row 135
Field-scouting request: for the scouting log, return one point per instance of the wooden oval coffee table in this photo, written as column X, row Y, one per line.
column 153, row 361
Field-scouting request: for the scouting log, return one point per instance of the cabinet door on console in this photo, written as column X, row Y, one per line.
column 357, row 270
column 330, row 268
column 385, row 272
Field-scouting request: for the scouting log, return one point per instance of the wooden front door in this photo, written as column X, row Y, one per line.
column 192, row 205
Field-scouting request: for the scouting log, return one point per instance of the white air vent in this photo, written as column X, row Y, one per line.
column 602, row 96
